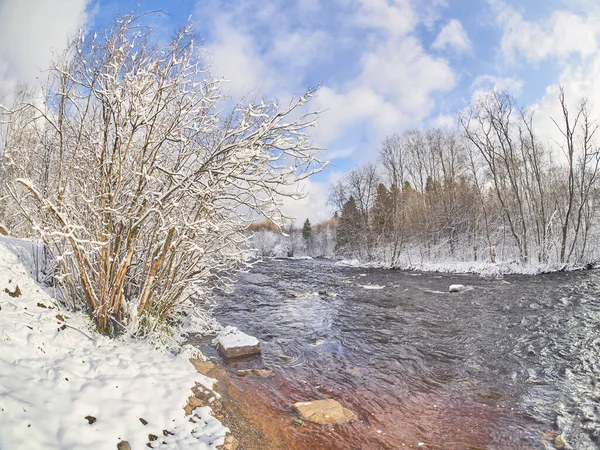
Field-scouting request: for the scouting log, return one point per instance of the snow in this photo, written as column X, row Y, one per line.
column 456, row 288
column 231, row 337
column 55, row 370
column 482, row 268
column 349, row 263
column 371, row 286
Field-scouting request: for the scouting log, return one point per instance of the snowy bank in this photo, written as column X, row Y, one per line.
column 473, row 267
column 62, row 385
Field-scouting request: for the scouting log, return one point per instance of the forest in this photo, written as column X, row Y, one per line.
column 488, row 190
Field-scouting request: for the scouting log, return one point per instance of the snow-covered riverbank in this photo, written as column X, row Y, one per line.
column 483, row 268
column 62, row 385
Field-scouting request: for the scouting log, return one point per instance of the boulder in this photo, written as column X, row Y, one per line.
column 232, row 343
column 456, row 288
column 324, row 412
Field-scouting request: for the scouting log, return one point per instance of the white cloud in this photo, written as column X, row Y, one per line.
column 299, row 49
column 571, row 38
column 233, row 55
column 561, row 35
column 313, row 206
column 579, row 81
column 454, row 37
column 30, row 31
column 489, row 82
column 397, row 17
column 394, row 80
column 400, row 69
column 394, row 90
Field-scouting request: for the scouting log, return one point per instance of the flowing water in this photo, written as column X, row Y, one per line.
column 509, row 363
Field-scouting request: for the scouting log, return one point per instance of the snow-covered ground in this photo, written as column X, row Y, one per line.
column 64, row 386
column 476, row 267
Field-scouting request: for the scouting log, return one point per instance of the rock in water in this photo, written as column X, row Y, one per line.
column 235, row 344
column 456, row 288
column 324, row 412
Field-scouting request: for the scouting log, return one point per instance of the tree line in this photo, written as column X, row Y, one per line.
column 488, row 190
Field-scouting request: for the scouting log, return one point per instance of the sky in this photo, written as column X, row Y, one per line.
column 383, row 66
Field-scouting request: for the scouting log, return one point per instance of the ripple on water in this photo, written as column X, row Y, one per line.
column 503, row 365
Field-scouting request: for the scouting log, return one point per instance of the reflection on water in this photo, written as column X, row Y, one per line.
column 508, row 364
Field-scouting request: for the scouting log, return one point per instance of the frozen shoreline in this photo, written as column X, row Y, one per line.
column 63, row 385
column 468, row 267
column 457, row 267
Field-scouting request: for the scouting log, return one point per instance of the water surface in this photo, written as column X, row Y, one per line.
column 507, row 364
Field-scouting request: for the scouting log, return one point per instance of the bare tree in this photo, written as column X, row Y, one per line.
column 583, row 163
column 150, row 184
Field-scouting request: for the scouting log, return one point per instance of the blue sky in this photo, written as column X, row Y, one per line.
column 384, row 65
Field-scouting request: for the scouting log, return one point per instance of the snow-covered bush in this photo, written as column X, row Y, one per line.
column 149, row 184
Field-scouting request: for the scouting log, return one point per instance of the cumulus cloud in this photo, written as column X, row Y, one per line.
column 569, row 38
column 388, row 82
column 453, row 37
column 313, row 206
column 393, row 90
column 233, row 56
column 490, row 82
column 579, row 82
column 397, row 18
column 30, row 31
column 560, row 35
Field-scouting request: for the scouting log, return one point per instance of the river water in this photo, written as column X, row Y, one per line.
column 507, row 364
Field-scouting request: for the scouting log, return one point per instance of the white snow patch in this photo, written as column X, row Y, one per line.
column 482, row 268
column 371, row 286
column 349, row 263
column 55, row 370
column 456, row 288
column 231, row 337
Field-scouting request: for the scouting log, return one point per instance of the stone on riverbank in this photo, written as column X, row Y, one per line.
column 231, row 443
column 324, row 412
column 232, row 343
column 456, row 288
column 123, row 445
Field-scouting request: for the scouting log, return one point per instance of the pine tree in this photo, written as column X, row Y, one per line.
column 306, row 230
column 348, row 228
column 381, row 213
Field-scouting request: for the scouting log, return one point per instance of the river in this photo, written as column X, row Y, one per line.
column 507, row 364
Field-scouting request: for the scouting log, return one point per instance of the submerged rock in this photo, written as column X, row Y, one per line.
column 324, row 412
column 257, row 372
column 232, row 343
column 456, row 288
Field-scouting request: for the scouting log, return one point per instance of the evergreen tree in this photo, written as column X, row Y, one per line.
column 381, row 213
column 349, row 227
column 306, row 230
